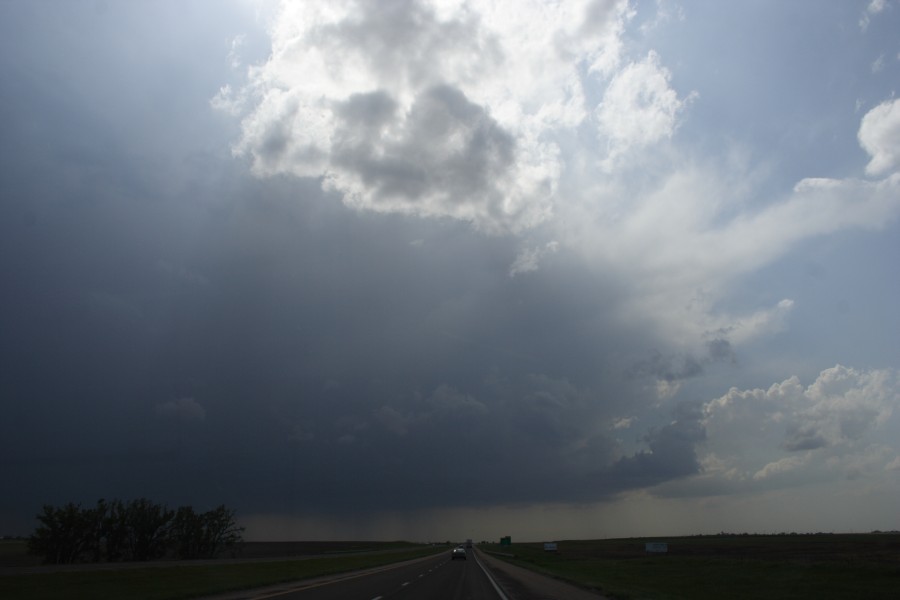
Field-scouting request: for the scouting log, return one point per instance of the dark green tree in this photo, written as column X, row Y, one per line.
column 137, row 531
column 94, row 520
column 63, row 536
column 186, row 533
column 204, row 535
column 221, row 531
column 116, row 535
column 147, row 531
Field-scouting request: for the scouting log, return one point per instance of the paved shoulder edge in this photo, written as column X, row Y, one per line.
column 520, row 583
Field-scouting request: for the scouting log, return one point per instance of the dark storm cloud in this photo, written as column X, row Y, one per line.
column 671, row 454
column 668, row 368
column 334, row 364
column 274, row 354
column 673, row 368
column 520, row 443
column 186, row 409
column 720, row 350
column 173, row 328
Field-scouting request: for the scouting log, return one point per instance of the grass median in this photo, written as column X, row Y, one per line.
column 190, row 581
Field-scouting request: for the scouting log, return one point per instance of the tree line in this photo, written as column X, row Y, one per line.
column 137, row 530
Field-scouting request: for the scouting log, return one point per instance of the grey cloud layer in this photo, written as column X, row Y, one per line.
column 449, row 150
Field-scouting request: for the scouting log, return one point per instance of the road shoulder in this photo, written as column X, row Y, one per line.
column 523, row 584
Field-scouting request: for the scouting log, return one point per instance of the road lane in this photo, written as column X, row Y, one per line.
column 437, row 578
column 452, row 580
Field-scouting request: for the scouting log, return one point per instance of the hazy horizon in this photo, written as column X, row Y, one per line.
column 429, row 270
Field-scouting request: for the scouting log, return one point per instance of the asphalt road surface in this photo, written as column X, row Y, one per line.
column 435, row 578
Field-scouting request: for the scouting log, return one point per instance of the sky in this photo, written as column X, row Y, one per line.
column 445, row 270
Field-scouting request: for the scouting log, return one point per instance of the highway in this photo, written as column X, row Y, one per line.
column 436, row 578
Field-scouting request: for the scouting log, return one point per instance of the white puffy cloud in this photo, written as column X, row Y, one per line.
column 840, row 423
column 879, row 135
column 878, row 64
column 781, row 466
column 529, row 258
column 623, row 423
column 639, row 107
column 430, row 109
column 841, row 406
column 234, row 55
column 873, row 8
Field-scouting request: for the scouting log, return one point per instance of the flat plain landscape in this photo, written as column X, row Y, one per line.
column 821, row 566
column 264, row 563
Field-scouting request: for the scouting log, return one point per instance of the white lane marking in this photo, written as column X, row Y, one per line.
column 405, row 584
column 491, row 579
column 377, row 598
column 338, row 579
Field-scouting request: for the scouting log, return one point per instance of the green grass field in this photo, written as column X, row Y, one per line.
column 773, row 567
column 14, row 553
column 715, row 567
column 189, row 581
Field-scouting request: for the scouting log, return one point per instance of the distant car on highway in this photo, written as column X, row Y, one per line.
column 458, row 552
